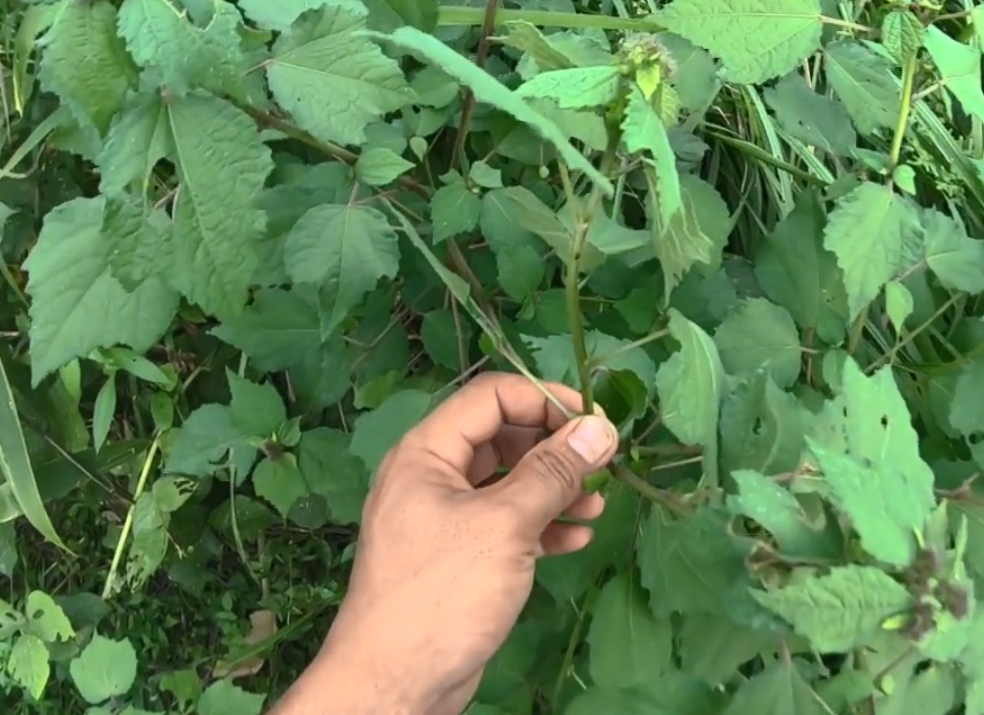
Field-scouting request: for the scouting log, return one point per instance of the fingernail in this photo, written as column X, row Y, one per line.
column 591, row 438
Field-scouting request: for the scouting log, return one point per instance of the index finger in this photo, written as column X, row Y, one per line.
column 474, row 415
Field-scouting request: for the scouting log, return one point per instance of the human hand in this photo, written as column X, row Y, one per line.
column 445, row 558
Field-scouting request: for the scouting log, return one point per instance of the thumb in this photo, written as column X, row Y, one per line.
column 549, row 477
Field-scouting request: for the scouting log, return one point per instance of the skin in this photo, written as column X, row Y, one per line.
column 446, row 553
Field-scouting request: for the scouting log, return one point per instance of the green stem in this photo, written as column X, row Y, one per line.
column 908, row 82
column 601, row 360
column 572, row 643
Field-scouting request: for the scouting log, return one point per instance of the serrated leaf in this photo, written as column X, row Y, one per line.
column 334, row 472
column 280, row 482
column 77, row 304
column 104, row 669
column 575, row 88
column 955, row 258
column 374, row 433
column 224, row 698
column 760, row 335
column 644, row 131
column 527, row 37
column 841, row 610
column 489, row 90
column 185, row 57
column 902, row 34
column 344, row 250
column 780, row 689
column 85, row 63
column 518, row 252
column 332, row 80
column 379, row 166
column 256, row 410
column 27, row 664
column 869, row 231
column 797, row 272
column 763, row 500
column 865, row 84
column 756, row 40
column 712, row 648
column 669, row 694
column 811, row 117
column 138, row 138
column 959, row 66
column 691, row 384
column 628, row 644
column 455, row 209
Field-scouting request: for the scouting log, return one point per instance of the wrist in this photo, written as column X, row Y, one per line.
column 355, row 683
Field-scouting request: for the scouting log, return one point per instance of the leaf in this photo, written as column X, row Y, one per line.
column 46, row 619
column 70, row 282
column 489, row 90
column 104, row 669
column 374, row 433
column 576, row 87
column 333, row 80
column 280, row 482
column 643, row 130
column 760, row 335
column 756, row 40
column 628, row 644
column 345, row 250
column 798, row 273
column 669, row 694
column 959, row 66
column 27, row 664
column 518, row 253
column 16, row 467
column 387, row 15
column 454, row 209
column 954, row 258
column 202, row 440
column 713, row 647
column 865, row 84
column 255, row 410
column 224, row 698
column 810, row 117
column 555, row 358
column 335, row 472
column 902, row 34
column 965, row 413
column 186, row 58
column 85, row 63
column 869, row 232
column 898, row 304
column 689, row 565
column 691, row 384
column 379, row 166
column 840, row 610
column 780, row 689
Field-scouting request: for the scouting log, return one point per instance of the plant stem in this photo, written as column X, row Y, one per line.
column 572, row 643
column 128, row 524
column 647, row 490
column 908, row 82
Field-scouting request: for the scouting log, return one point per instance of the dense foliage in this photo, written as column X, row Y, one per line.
column 246, row 245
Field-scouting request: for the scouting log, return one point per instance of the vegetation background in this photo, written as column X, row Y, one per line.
column 246, row 245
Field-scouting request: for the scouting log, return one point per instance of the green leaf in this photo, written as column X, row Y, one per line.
column 345, row 250
column 840, row 610
column 379, row 166
column 224, row 698
column 575, row 88
column 443, row 337
column 691, row 384
column 331, row 79
column 689, row 565
column 278, row 17
column 183, row 56
column 959, row 66
column 518, row 252
column 797, row 272
column 902, row 34
column 898, row 304
column 756, row 40
column 865, row 84
column 280, row 482
column 780, row 689
column 643, row 130
column 712, row 648
column 454, row 209
column 760, row 335
column 255, row 410
column 334, row 472
column 388, row 15
column 374, row 433
column 27, row 664
column 965, row 413
column 628, row 644
column 555, row 358
column 955, row 258
column 202, row 440
column 71, row 283
column 811, row 117
column 104, row 669
column 865, row 444
column 85, row 63
column 16, row 466
column 869, row 231
column 103, row 412
column 489, row 90
column 671, row 693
